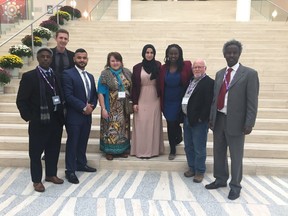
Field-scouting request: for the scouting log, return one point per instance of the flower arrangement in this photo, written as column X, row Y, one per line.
column 42, row 32
column 20, row 50
column 11, row 61
column 74, row 12
column 5, row 76
column 27, row 40
column 50, row 24
column 65, row 15
column 54, row 18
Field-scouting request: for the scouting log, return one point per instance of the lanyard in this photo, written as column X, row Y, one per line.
column 227, row 85
column 47, row 81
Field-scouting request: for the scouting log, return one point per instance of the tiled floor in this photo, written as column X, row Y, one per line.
column 139, row 193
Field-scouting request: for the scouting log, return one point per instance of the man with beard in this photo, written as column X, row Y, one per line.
column 232, row 116
column 81, row 99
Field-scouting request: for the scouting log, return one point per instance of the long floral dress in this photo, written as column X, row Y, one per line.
column 115, row 131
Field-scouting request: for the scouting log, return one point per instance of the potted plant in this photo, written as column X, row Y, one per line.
column 50, row 24
column 54, row 18
column 42, row 32
column 77, row 13
column 67, row 9
column 65, row 15
column 23, row 51
column 11, row 63
column 27, row 40
column 5, row 78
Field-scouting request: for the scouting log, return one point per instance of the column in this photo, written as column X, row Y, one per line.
column 124, row 10
column 243, row 10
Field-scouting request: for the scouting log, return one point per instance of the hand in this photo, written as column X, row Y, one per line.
column 89, row 109
column 135, row 108
column 104, row 113
column 247, row 130
column 211, row 126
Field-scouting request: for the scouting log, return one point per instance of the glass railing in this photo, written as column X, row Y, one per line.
column 98, row 11
column 270, row 10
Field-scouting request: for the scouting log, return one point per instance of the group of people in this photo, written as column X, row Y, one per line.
column 59, row 91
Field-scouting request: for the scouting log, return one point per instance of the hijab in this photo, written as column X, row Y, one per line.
column 150, row 66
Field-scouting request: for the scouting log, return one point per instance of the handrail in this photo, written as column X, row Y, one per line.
column 31, row 24
column 96, row 7
column 278, row 6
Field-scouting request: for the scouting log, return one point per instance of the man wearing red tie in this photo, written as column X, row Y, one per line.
column 233, row 114
column 81, row 99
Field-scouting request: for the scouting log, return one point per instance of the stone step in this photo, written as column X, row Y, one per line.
column 257, row 150
column 261, row 124
column 251, row 166
column 257, row 136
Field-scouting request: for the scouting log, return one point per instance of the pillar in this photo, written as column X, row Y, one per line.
column 243, row 10
column 124, row 10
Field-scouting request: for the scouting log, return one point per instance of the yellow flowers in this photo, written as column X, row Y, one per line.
column 11, row 61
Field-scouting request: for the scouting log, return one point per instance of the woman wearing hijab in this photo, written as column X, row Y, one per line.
column 147, row 133
column 114, row 88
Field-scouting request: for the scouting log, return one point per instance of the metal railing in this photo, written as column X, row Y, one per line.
column 270, row 10
column 31, row 27
column 99, row 9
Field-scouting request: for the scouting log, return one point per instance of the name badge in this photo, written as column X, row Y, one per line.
column 121, row 94
column 56, row 100
column 185, row 100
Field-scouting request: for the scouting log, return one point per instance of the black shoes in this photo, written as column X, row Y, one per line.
column 71, row 177
column 86, row 168
column 233, row 195
column 213, row 185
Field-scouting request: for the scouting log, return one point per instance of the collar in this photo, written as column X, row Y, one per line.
column 234, row 67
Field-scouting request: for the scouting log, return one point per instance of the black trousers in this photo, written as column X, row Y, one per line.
column 44, row 138
column 174, row 135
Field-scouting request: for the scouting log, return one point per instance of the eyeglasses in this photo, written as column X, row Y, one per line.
column 198, row 67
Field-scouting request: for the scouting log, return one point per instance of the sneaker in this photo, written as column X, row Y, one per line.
column 189, row 173
column 198, row 178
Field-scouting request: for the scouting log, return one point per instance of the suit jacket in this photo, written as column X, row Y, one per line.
column 70, row 59
column 75, row 96
column 28, row 97
column 136, row 82
column 199, row 103
column 186, row 75
column 242, row 101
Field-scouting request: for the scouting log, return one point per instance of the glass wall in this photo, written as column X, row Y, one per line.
column 98, row 11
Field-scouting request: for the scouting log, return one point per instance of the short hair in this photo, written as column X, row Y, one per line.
column 180, row 61
column 80, row 50
column 232, row 42
column 62, row 31
column 116, row 55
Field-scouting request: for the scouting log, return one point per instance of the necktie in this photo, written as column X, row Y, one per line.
column 87, row 86
column 223, row 90
column 61, row 63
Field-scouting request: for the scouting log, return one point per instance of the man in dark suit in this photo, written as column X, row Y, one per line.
column 40, row 102
column 81, row 99
column 233, row 114
column 196, row 105
column 62, row 57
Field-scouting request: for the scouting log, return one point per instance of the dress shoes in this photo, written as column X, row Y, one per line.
column 86, row 168
column 109, row 157
column 71, row 177
column 214, row 185
column 54, row 179
column 171, row 156
column 39, row 187
column 233, row 195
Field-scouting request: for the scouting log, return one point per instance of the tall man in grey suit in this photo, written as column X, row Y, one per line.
column 233, row 114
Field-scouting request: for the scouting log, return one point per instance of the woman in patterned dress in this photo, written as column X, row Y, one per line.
column 114, row 88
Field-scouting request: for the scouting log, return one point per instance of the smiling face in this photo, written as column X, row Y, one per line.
column 114, row 63
column 149, row 54
column 62, row 39
column 232, row 55
column 198, row 68
column 81, row 60
column 173, row 54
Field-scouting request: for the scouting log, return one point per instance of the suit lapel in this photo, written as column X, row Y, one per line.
column 239, row 73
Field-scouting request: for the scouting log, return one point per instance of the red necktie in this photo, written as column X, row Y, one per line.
column 223, row 90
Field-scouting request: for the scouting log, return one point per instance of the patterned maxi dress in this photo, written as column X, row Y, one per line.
column 114, row 131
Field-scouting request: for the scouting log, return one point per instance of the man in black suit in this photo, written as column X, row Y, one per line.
column 40, row 102
column 81, row 99
column 62, row 57
column 196, row 105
